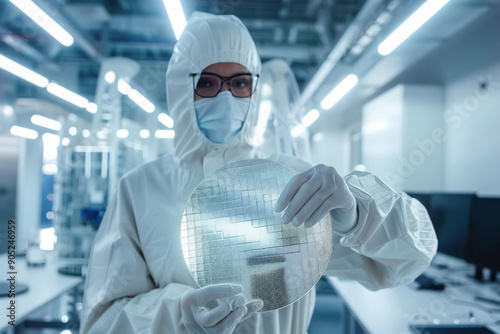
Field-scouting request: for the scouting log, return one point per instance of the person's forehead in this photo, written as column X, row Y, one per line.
column 226, row 69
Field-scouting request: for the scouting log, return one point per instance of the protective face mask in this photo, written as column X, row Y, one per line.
column 221, row 118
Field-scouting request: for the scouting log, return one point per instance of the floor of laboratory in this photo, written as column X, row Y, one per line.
column 327, row 312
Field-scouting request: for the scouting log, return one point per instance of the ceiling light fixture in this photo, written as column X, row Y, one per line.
column 338, row 92
column 45, row 21
column 23, row 132
column 166, row 120
column 310, row 117
column 46, row 122
column 124, row 87
column 408, row 27
column 91, row 107
column 165, row 134
column 141, row 101
column 176, row 16
column 7, row 110
column 23, row 72
column 122, row 133
column 298, row 130
column 110, row 77
column 67, row 95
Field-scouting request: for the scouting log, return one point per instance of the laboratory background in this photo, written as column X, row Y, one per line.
column 408, row 90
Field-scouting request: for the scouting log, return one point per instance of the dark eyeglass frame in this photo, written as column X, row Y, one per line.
column 224, row 80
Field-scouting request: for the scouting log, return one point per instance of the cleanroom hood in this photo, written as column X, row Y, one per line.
column 206, row 40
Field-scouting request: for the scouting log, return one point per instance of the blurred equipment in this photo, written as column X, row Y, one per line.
column 450, row 215
column 81, row 193
column 92, row 216
column 277, row 119
column 467, row 227
column 90, row 168
column 450, row 329
column 230, row 233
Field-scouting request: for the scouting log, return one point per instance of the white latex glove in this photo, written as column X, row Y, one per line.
column 231, row 308
column 310, row 195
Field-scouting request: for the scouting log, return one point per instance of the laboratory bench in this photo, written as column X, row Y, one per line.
column 461, row 302
column 46, row 301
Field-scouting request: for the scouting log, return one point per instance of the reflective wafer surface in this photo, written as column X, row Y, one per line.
column 230, row 233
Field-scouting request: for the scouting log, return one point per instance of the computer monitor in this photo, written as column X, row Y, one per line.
column 421, row 197
column 484, row 236
column 450, row 214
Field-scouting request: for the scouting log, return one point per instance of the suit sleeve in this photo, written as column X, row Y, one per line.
column 120, row 295
column 393, row 241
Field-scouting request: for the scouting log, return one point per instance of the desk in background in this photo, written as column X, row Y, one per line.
column 391, row 311
column 44, row 282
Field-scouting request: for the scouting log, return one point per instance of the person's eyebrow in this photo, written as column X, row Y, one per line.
column 232, row 75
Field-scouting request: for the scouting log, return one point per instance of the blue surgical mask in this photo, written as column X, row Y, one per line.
column 221, row 118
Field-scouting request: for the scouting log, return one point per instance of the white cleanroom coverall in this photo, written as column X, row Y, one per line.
column 137, row 275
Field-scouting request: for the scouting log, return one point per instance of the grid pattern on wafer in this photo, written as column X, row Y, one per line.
column 231, row 233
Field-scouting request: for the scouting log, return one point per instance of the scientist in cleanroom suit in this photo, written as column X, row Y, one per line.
column 137, row 280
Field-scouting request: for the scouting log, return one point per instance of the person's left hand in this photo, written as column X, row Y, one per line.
column 312, row 194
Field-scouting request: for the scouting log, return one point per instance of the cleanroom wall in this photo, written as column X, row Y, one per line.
column 472, row 119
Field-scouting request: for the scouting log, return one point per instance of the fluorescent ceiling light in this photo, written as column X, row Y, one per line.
column 65, row 141
column 298, row 130
column 135, row 96
column 110, row 77
column 338, row 92
column 408, row 27
column 46, row 122
column 176, row 16
column 7, row 110
column 165, row 134
column 23, row 132
column 123, row 87
column 73, row 131
column 144, row 133
column 166, row 120
column 122, row 133
column 67, row 95
column 141, row 101
column 43, row 20
column 85, row 133
column 23, row 72
column 91, row 107
column 310, row 117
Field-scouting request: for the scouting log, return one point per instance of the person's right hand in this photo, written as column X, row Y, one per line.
column 232, row 308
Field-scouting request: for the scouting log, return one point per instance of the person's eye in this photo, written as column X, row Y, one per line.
column 206, row 83
column 241, row 82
